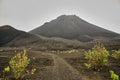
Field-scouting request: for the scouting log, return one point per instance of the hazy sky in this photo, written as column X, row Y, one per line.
column 28, row 14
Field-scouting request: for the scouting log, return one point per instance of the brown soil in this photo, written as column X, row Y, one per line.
column 53, row 66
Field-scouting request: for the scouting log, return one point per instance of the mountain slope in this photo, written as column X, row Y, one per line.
column 10, row 36
column 8, row 33
column 72, row 27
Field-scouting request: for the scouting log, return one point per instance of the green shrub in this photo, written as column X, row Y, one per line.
column 18, row 63
column 116, row 54
column 97, row 57
column 113, row 76
column 7, row 69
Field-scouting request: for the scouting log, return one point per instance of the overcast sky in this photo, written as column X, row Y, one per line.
column 29, row 14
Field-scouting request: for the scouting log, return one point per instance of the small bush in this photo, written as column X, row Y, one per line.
column 97, row 57
column 7, row 69
column 18, row 63
column 116, row 54
column 113, row 76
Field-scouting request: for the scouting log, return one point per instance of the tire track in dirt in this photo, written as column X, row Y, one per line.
column 62, row 70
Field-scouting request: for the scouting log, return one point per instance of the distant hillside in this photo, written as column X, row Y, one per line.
column 8, row 33
column 12, row 37
column 73, row 27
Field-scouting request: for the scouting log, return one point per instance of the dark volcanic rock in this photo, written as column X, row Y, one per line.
column 8, row 33
column 72, row 27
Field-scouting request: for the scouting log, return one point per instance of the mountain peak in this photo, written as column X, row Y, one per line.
column 72, row 27
column 67, row 16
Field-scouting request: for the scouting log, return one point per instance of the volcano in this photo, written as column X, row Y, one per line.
column 73, row 27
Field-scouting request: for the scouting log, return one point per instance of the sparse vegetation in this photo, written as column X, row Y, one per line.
column 92, row 59
column 97, row 57
column 71, row 51
column 18, row 63
column 113, row 75
column 116, row 54
column 7, row 69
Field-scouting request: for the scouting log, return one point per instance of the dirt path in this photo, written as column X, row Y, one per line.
column 62, row 70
